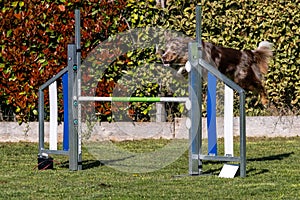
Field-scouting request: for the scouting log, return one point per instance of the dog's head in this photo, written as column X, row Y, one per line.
column 174, row 52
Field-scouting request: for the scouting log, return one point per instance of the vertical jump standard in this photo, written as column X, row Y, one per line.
column 198, row 64
column 71, row 76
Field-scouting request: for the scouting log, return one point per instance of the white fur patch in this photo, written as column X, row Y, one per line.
column 188, row 66
column 265, row 44
column 180, row 70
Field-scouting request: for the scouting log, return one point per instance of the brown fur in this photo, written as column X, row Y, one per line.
column 246, row 68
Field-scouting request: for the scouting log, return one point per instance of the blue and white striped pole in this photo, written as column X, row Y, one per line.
column 53, row 116
column 211, row 115
column 228, row 121
column 211, row 118
column 66, row 118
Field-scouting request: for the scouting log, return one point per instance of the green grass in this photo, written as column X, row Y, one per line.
column 273, row 172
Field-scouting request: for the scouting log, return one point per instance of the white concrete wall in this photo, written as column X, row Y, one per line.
column 255, row 127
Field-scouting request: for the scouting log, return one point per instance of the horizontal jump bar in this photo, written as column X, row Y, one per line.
column 134, row 99
column 58, row 152
column 220, row 158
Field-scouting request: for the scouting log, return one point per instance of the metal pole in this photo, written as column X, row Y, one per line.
column 198, row 28
column 77, row 30
column 41, row 121
column 195, row 131
column 242, row 135
column 195, row 95
column 73, row 137
column 77, row 85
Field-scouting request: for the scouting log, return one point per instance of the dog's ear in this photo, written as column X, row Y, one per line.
column 167, row 35
column 158, row 51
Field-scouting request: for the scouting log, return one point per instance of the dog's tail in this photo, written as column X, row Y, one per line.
column 266, row 46
column 263, row 54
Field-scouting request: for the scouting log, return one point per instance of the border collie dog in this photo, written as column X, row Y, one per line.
column 246, row 68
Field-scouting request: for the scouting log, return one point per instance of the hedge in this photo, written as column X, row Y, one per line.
column 34, row 37
column 241, row 25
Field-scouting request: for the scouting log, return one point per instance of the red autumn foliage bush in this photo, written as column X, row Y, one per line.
column 34, row 38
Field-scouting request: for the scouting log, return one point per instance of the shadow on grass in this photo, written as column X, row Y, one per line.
column 88, row 164
column 272, row 157
column 252, row 171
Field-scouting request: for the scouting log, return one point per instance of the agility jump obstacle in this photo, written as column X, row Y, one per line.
column 196, row 156
column 72, row 108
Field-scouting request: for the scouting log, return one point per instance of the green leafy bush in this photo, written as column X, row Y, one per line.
column 34, row 38
column 241, row 25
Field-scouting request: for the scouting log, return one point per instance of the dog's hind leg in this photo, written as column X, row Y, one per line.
column 264, row 98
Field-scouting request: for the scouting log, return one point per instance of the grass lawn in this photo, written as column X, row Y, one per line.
column 273, row 172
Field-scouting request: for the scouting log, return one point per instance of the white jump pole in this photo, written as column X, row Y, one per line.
column 53, row 116
column 228, row 121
